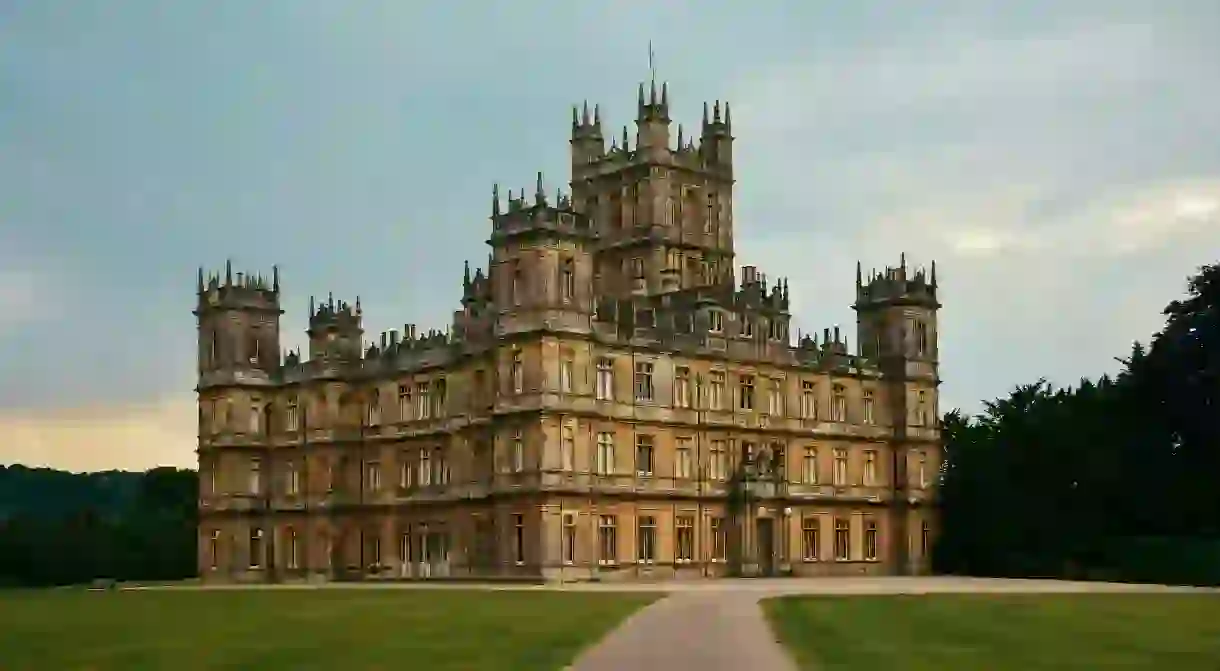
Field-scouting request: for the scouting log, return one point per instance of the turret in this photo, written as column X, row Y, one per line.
column 238, row 320
column 716, row 140
column 652, row 122
column 896, row 312
column 335, row 330
column 588, row 144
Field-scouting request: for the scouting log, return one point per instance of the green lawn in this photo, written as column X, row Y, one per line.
column 268, row 630
column 1001, row 632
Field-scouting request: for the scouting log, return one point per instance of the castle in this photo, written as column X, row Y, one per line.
column 610, row 402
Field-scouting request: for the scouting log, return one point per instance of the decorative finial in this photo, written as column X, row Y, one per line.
column 275, row 278
column 199, row 283
column 228, row 272
column 495, row 199
column 539, row 195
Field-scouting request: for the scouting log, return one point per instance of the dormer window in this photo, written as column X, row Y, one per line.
column 715, row 321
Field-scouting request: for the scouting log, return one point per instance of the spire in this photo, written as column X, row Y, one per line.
column 933, row 273
column 859, row 275
column 640, row 102
column 705, row 113
column 275, row 279
column 575, row 124
column 728, row 117
column 539, row 194
column 597, row 117
column 228, row 272
column 652, row 93
column 665, row 96
column 312, row 308
column 679, row 137
column 625, row 145
column 466, row 274
column 584, row 114
column 716, row 112
column 199, row 283
column 495, row 200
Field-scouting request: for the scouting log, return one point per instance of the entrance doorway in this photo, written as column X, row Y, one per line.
column 765, row 538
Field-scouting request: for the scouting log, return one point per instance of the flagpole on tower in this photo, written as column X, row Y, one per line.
column 652, row 68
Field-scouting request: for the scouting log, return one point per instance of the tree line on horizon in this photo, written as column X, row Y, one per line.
column 1113, row 479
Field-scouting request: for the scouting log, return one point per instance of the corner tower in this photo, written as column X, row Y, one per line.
column 238, row 321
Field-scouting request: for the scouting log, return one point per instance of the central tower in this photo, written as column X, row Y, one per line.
column 662, row 206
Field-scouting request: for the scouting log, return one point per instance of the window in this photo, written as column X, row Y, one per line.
column 514, row 288
column 810, row 541
column 423, row 409
column 646, row 542
column 840, row 473
column 373, row 482
column 923, row 470
column 440, row 465
column 291, row 418
column 439, row 393
column 870, row 539
column 518, row 452
column 374, row 556
column 256, row 416
column 921, row 409
column 293, row 480
column 374, row 409
column 775, row 398
column 569, row 538
column 256, row 476
column 747, row 327
column 404, row 402
column 683, row 461
column 809, row 400
column 519, row 539
column 607, row 540
column 921, row 338
column 842, row 540
column 425, row 467
column 294, row 550
column 637, row 268
column 566, row 364
column 838, row 404
column 867, row 403
column 643, row 455
column 809, row 467
column 682, row 387
column 478, row 392
column 719, row 458
column 517, row 373
column 870, row 468
column 214, row 548
column 925, row 539
column 746, row 392
column 715, row 390
column 719, row 539
column 715, row 321
column 605, row 379
column 256, row 548
column 685, row 541
column 405, row 471
column 222, row 415
column 779, row 461
column 567, row 447
column 604, row 460
column 567, row 280
column 643, row 381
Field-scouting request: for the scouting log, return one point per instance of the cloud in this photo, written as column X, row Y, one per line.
column 101, row 437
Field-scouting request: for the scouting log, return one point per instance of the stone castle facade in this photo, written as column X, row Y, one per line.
column 610, row 402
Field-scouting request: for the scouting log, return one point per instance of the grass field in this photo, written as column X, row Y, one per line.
column 1001, row 632
column 269, row 630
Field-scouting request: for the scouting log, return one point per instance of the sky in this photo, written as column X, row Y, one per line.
column 1059, row 160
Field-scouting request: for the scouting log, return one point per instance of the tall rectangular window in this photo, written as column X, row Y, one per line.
column 746, row 392
column 715, row 319
column 214, row 548
column 293, row 484
column 291, row 417
column 373, row 480
column 643, row 381
column 256, row 548
column 870, row 468
column 682, row 387
column 868, row 408
column 810, row 538
column 838, row 404
column 870, row 539
column 923, row 470
column 567, row 447
column 607, row 540
column 517, row 373
column 809, row 468
column 719, row 460
column 775, row 398
column 643, row 455
column 406, row 471
column 842, row 540
column 425, row 467
column 423, row 409
column 646, row 543
column 518, row 452
column 685, row 539
column 569, row 538
column 921, row 409
column 604, row 460
column 440, row 392
column 294, row 549
column 840, row 472
column 256, row 476
column 605, row 379
column 683, row 459
column 809, row 400
column 404, row 402
column 566, row 365
column 567, row 280
column 715, row 390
